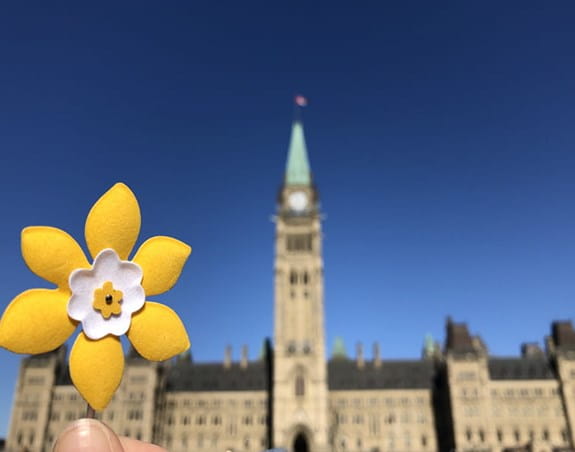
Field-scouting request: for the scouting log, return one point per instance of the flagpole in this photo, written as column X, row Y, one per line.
column 298, row 104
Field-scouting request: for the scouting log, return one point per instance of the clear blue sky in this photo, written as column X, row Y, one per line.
column 442, row 140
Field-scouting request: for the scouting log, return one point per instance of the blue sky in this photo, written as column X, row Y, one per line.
column 441, row 139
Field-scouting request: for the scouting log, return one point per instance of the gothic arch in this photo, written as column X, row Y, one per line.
column 300, row 438
column 300, row 443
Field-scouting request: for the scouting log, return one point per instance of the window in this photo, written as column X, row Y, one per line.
column 293, row 277
column 29, row 415
column 138, row 379
column 216, row 420
column 407, row 439
column 55, row 416
column 357, row 419
column 36, row 380
column 499, row 435
column 299, row 386
column 517, row 435
column 374, row 424
column 200, row 420
column 305, row 277
column 468, row 434
column 299, row 242
column 186, row 420
column 467, row 376
column 247, row 420
column 423, row 441
column 135, row 415
column 481, row 436
column 545, row 435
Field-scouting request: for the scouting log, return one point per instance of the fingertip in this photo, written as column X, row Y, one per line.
column 133, row 445
column 88, row 435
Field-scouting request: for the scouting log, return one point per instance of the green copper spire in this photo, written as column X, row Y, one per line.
column 429, row 344
column 297, row 169
column 339, row 348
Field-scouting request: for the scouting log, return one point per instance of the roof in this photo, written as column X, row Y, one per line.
column 345, row 374
column 563, row 335
column 520, row 369
column 190, row 376
column 297, row 168
column 458, row 339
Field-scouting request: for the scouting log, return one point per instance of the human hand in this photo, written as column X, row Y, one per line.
column 90, row 435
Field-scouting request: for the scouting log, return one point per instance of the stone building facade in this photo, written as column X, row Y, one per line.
column 455, row 398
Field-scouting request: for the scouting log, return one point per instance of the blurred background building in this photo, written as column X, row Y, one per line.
column 455, row 397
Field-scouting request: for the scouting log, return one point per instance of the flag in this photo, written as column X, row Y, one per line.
column 300, row 101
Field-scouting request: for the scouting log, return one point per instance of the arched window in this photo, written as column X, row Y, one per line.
column 299, row 386
column 293, row 277
column 305, row 277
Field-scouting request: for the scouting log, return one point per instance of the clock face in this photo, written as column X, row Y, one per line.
column 297, row 200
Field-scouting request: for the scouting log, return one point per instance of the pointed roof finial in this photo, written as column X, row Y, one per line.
column 297, row 168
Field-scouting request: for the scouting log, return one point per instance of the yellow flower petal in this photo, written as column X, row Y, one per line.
column 36, row 321
column 96, row 368
column 52, row 254
column 114, row 222
column 157, row 333
column 162, row 260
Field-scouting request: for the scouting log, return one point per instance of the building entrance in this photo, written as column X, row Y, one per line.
column 300, row 443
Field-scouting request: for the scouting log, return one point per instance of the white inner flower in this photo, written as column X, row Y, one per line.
column 125, row 276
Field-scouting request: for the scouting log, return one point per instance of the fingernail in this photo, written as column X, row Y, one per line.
column 87, row 435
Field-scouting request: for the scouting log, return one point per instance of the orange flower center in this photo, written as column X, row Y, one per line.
column 107, row 300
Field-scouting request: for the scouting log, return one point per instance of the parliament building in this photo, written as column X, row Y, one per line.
column 455, row 398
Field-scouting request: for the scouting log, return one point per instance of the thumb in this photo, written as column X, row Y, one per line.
column 87, row 435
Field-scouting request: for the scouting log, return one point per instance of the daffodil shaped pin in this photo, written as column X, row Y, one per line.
column 108, row 297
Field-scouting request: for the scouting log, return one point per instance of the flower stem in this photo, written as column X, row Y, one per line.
column 90, row 412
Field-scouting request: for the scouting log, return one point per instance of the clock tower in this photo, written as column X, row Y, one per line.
column 300, row 375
